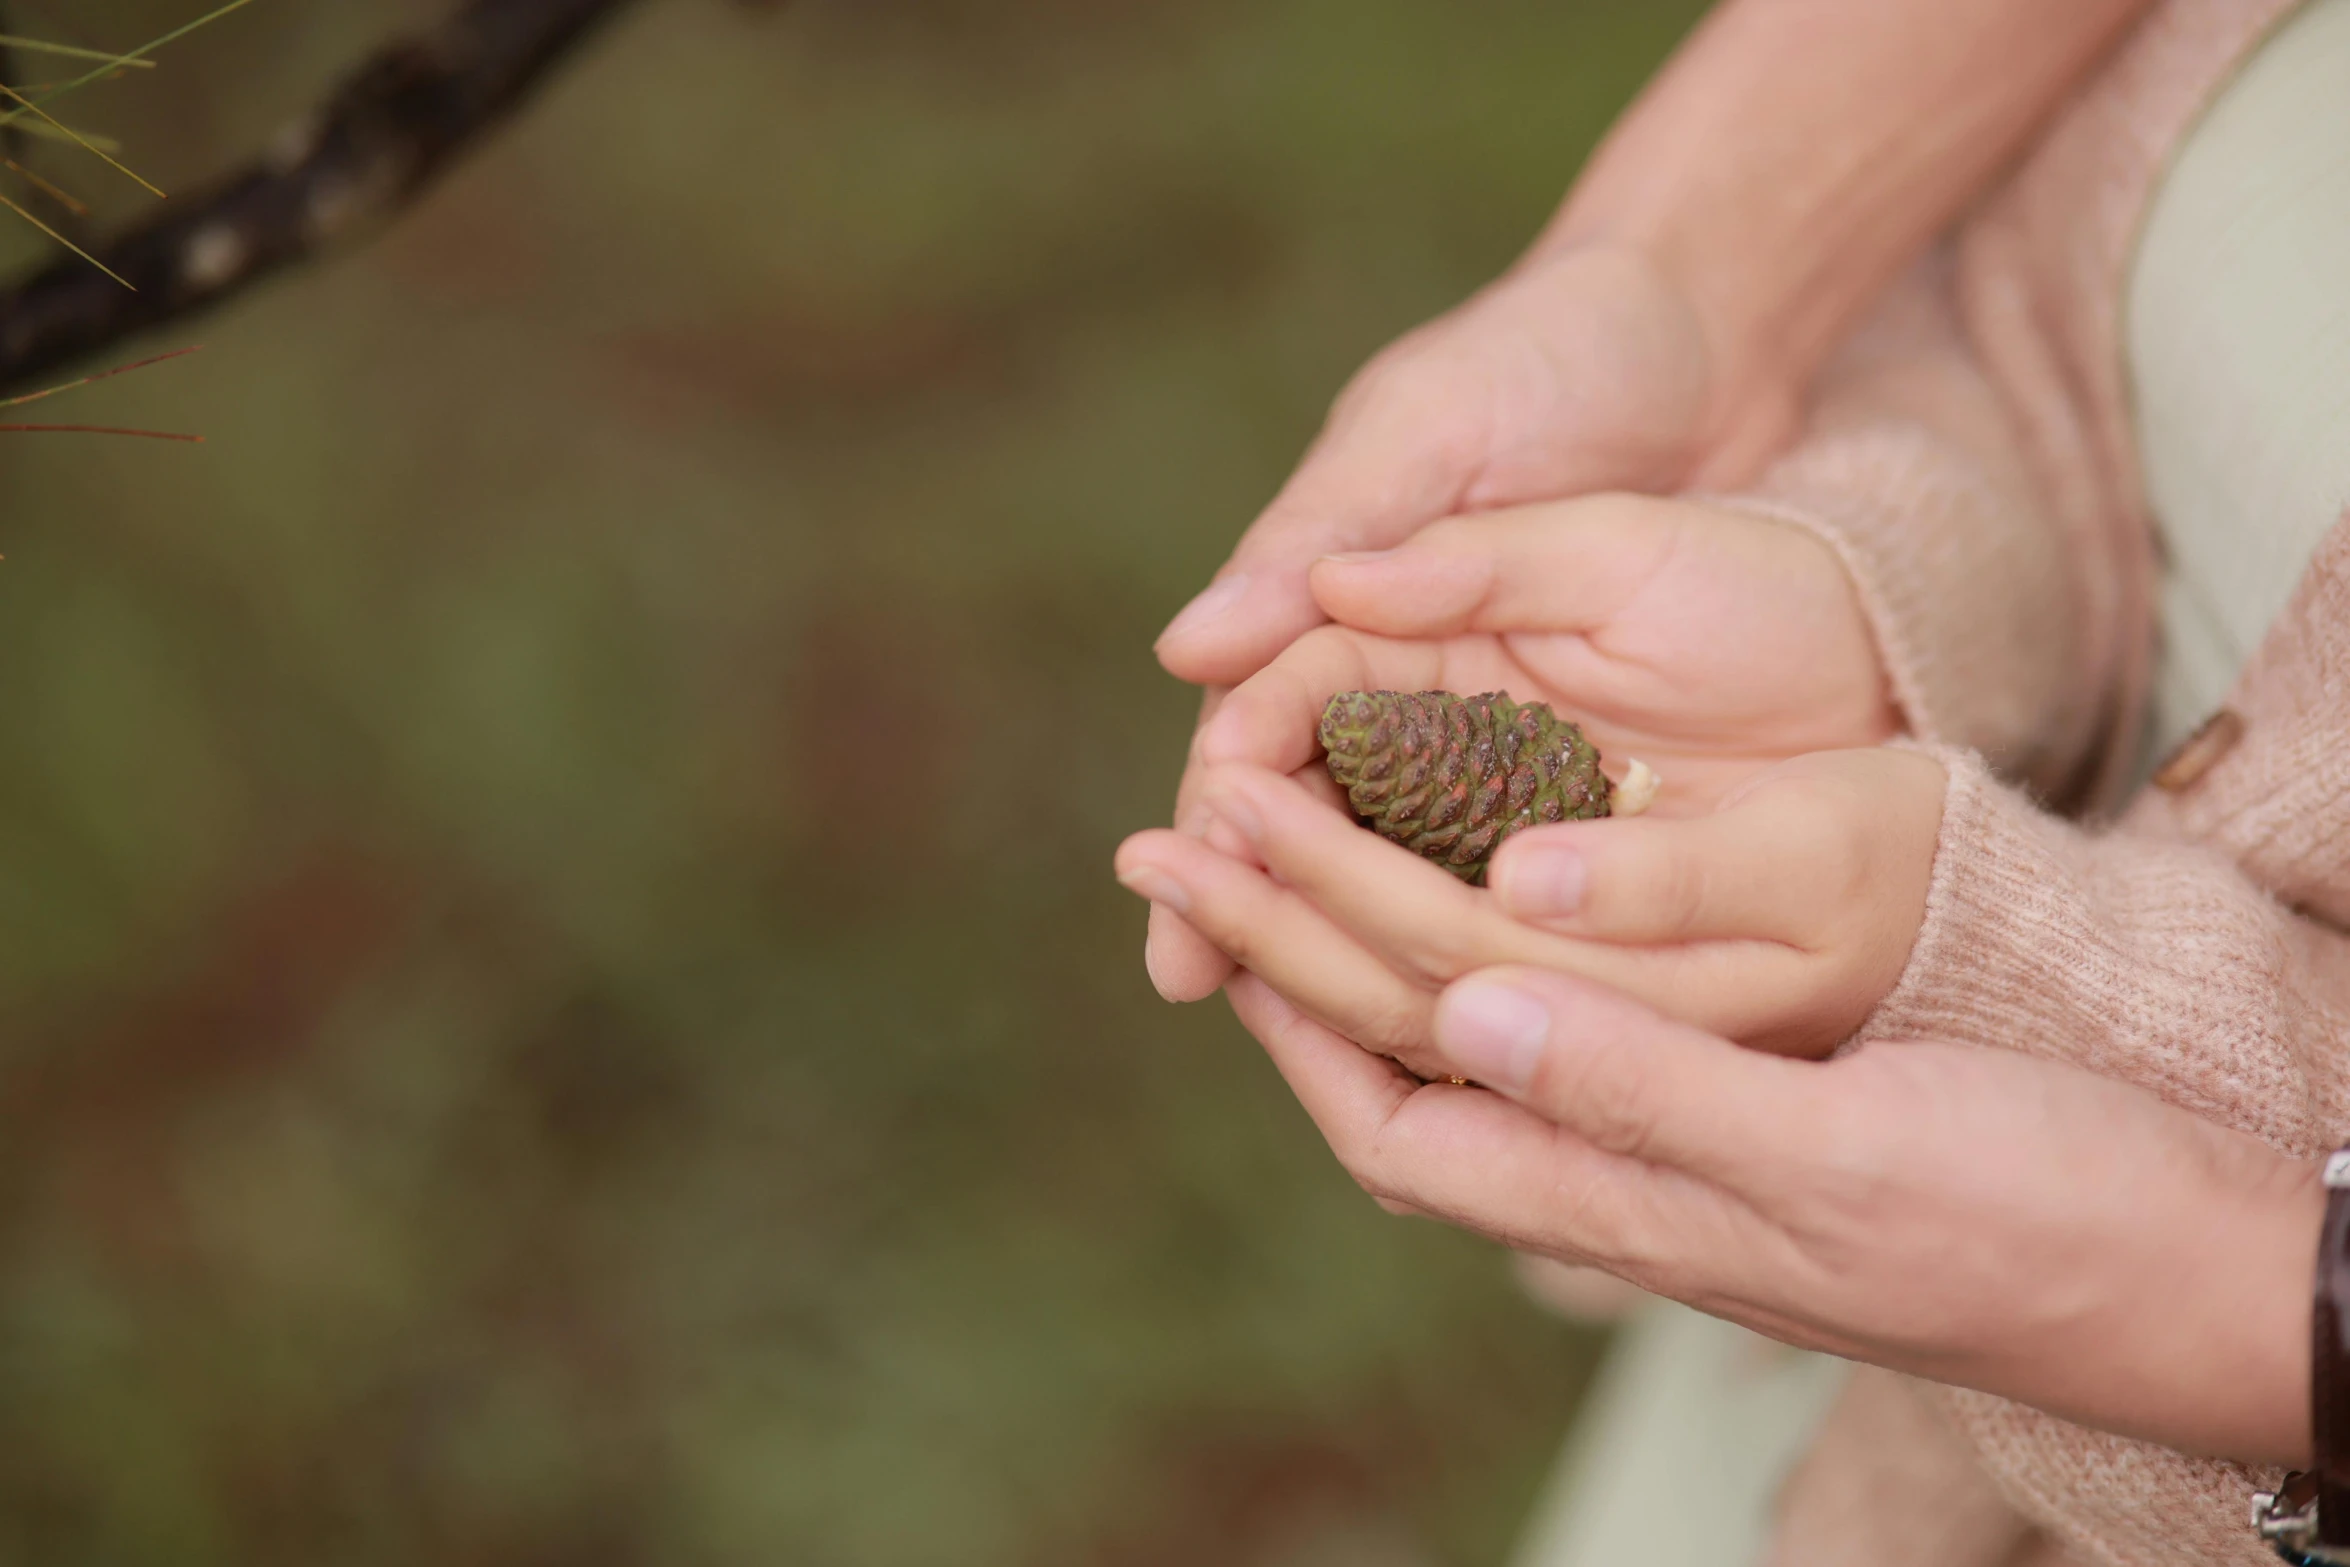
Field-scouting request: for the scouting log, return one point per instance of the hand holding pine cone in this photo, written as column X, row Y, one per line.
column 1452, row 777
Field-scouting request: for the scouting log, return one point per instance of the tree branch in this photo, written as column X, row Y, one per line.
column 384, row 138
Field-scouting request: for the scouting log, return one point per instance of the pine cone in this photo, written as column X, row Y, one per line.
column 1449, row 777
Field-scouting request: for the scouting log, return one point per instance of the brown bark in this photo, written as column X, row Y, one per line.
column 383, row 138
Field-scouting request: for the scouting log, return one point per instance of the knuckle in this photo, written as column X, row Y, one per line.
column 1359, row 1157
column 1857, row 1152
column 1838, row 850
column 1324, row 656
column 1234, row 921
column 1454, row 535
column 1612, row 1105
column 1393, row 1025
column 1675, row 885
column 1441, row 954
column 1600, row 1237
column 1396, row 373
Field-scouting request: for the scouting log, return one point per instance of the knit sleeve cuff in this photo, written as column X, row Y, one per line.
column 2138, row 957
column 1970, row 606
column 1993, row 615
column 1997, row 920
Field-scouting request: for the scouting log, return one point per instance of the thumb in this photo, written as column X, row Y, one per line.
column 1584, row 372
column 1626, row 1080
column 1402, row 448
column 1557, row 566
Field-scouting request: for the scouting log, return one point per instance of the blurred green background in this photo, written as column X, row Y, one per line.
column 561, row 999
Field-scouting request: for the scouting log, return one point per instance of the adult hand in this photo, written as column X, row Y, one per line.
column 1977, row 1217
column 1581, row 370
column 1711, row 643
column 1585, row 368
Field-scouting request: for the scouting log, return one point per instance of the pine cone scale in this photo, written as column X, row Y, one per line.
column 1451, row 777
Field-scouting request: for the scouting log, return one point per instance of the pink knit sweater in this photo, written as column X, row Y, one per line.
column 1970, row 456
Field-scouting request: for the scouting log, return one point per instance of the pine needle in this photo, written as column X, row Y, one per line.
column 62, row 198
column 68, row 386
column 68, row 244
column 11, row 116
column 47, row 132
column 43, row 46
column 98, row 429
column 81, row 141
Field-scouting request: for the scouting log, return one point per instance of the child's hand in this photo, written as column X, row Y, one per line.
column 1707, row 642
column 1586, row 368
column 1780, row 918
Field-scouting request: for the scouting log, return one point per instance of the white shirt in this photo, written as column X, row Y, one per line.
column 2237, row 331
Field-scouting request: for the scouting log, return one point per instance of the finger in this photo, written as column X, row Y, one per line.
column 1397, row 452
column 1559, row 567
column 1183, row 965
column 1474, row 1159
column 1345, row 1090
column 1314, row 778
column 1424, row 924
column 1417, row 918
column 1766, row 868
column 1188, row 816
column 1814, row 854
column 1342, row 1087
column 1274, row 933
column 1621, row 1077
column 1272, row 719
column 1239, row 622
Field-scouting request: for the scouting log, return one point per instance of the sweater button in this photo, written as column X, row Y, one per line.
column 2196, row 755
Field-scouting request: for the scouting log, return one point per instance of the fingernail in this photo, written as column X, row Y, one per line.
column 1152, row 961
column 1238, row 810
column 1542, row 880
column 1156, row 885
column 1493, row 1032
column 1356, row 557
column 1216, row 599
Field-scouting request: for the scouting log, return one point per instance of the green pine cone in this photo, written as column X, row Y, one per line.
column 1449, row 777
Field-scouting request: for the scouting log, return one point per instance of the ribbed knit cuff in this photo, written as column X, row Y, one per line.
column 1995, row 909
column 1970, row 606
column 1993, row 598
column 2137, row 957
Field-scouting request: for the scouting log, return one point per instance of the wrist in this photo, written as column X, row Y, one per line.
column 2199, row 1340
column 2246, row 1342
column 1750, row 378
column 2277, row 1406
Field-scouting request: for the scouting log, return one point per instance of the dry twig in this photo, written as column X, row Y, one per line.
column 378, row 143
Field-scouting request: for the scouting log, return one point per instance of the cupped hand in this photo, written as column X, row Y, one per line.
column 1585, row 368
column 1780, row 918
column 1709, row 642
column 1978, row 1217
